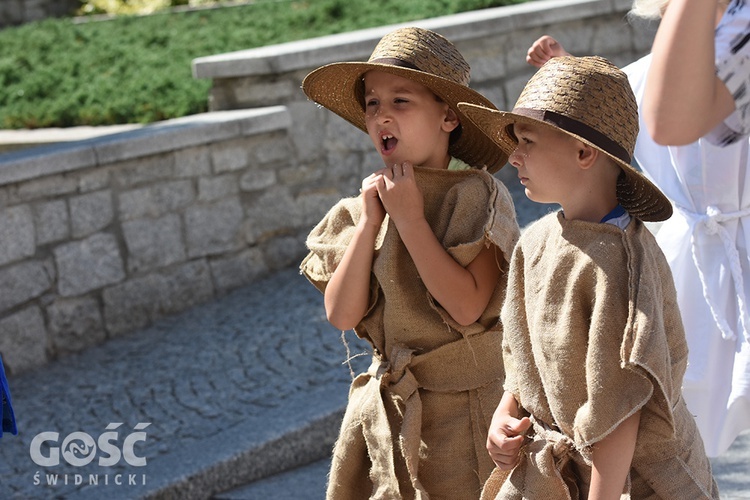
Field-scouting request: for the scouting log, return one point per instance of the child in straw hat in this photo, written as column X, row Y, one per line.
column 416, row 264
column 593, row 344
column 692, row 90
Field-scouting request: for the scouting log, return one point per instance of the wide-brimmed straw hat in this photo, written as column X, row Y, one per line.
column 590, row 99
column 424, row 57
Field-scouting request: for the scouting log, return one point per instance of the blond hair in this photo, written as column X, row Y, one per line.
column 648, row 9
column 654, row 9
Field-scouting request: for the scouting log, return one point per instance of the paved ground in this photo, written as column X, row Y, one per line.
column 207, row 404
column 232, row 391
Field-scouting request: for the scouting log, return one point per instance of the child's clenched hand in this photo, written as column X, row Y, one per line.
column 372, row 208
column 400, row 194
column 543, row 49
column 505, row 438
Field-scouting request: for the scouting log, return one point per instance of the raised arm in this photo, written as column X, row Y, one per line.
column 348, row 292
column 463, row 292
column 684, row 99
column 543, row 49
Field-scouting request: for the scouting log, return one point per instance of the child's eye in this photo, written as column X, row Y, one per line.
column 400, row 100
column 371, row 102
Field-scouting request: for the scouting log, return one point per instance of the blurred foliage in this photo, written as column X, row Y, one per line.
column 126, row 7
column 137, row 69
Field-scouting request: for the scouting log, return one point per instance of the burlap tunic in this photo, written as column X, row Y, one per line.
column 592, row 334
column 417, row 420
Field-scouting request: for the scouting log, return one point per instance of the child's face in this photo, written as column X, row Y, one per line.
column 406, row 122
column 545, row 159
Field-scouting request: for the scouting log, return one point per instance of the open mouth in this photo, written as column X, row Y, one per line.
column 389, row 143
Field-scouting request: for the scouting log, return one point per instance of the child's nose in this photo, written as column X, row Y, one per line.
column 516, row 158
column 382, row 114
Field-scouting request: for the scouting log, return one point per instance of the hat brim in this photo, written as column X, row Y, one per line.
column 338, row 87
column 637, row 194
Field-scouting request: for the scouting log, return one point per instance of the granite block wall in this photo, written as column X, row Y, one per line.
column 103, row 236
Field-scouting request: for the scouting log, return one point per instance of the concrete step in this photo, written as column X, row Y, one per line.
column 307, row 482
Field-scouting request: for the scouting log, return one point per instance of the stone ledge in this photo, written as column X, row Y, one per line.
column 356, row 45
column 148, row 140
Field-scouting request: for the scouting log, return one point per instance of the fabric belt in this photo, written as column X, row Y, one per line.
column 711, row 222
column 545, row 469
column 402, row 375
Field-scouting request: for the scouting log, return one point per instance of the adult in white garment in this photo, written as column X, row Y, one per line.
column 693, row 93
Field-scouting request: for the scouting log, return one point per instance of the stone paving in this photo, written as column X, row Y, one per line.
column 215, row 385
column 237, row 399
column 731, row 470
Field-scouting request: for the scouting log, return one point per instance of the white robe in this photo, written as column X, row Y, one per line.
column 707, row 242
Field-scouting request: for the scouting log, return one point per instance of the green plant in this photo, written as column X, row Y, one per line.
column 137, row 69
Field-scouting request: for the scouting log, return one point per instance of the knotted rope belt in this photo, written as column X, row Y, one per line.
column 461, row 365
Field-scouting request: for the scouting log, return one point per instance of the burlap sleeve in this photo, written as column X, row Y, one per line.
column 584, row 342
column 513, row 307
column 629, row 359
column 478, row 212
column 615, row 390
column 328, row 241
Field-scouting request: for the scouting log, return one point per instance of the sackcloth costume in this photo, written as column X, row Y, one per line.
column 707, row 241
column 591, row 330
column 592, row 334
column 416, row 422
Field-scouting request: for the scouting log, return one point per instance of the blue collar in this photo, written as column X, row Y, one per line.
column 616, row 212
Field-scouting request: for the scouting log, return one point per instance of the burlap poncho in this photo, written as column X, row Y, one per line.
column 416, row 422
column 592, row 334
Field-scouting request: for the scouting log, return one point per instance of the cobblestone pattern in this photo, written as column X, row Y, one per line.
column 194, row 377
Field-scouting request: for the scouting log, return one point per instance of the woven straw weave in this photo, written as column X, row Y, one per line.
column 596, row 93
column 422, row 56
column 590, row 99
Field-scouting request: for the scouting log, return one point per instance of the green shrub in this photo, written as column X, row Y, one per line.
column 126, row 7
column 133, row 69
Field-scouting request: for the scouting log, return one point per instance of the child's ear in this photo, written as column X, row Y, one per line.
column 587, row 155
column 451, row 120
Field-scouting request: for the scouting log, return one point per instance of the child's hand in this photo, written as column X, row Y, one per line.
column 400, row 194
column 505, row 438
column 544, row 49
column 372, row 208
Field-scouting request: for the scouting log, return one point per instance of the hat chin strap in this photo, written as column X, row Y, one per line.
column 578, row 128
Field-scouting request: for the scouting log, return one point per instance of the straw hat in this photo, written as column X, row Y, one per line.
column 422, row 56
column 590, row 99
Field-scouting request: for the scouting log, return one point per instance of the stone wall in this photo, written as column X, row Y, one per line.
column 494, row 42
column 13, row 12
column 103, row 236
column 100, row 237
